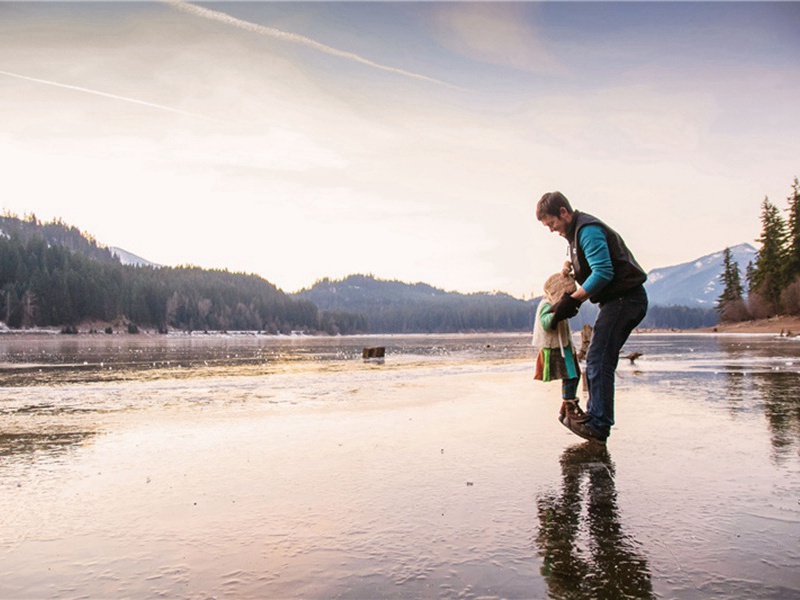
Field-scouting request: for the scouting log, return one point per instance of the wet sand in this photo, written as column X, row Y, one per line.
column 453, row 482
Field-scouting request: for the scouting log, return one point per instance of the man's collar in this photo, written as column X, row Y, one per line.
column 572, row 224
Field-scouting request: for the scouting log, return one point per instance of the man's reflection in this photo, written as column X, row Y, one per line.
column 585, row 552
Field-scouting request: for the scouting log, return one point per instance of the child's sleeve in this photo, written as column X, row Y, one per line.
column 546, row 316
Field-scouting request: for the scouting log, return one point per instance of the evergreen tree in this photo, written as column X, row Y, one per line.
column 748, row 276
column 768, row 275
column 730, row 304
column 792, row 272
column 732, row 285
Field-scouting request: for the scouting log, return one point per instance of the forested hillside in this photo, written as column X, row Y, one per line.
column 54, row 275
column 397, row 307
column 679, row 317
column 54, row 233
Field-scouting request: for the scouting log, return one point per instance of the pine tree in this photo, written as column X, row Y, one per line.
column 730, row 305
column 792, row 272
column 731, row 282
column 767, row 279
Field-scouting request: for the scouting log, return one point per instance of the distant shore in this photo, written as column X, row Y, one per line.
column 781, row 325
column 787, row 325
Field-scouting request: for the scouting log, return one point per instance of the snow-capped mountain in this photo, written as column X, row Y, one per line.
column 128, row 258
column 696, row 283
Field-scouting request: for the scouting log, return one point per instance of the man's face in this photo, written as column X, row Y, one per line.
column 558, row 224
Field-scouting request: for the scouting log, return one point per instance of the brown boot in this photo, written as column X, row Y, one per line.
column 570, row 410
column 583, row 430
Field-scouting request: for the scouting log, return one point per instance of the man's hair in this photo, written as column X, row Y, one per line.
column 551, row 204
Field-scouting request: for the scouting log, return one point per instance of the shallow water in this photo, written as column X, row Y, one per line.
column 290, row 468
column 58, row 359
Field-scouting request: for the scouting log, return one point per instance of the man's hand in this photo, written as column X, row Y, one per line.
column 566, row 308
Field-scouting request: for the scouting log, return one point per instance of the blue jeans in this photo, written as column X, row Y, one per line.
column 615, row 321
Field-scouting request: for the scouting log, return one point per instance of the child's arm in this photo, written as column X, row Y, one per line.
column 546, row 316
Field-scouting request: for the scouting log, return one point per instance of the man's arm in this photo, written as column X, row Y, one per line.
column 593, row 242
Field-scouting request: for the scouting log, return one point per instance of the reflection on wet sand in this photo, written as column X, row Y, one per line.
column 327, row 477
column 585, row 552
column 774, row 390
column 17, row 444
column 46, row 360
column 782, row 409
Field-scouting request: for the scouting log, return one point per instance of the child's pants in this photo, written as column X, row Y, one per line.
column 569, row 388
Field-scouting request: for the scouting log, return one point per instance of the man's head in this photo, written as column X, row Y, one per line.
column 555, row 212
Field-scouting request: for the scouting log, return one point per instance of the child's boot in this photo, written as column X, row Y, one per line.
column 570, row 410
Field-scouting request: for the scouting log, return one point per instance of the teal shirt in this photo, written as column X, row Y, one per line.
column 595, row 247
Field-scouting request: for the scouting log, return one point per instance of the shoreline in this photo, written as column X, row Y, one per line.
column 784, row 325
column 788, row 326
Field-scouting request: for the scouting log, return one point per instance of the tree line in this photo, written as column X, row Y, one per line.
column 390, row 306
column 53, row 275
column 658, row 317
column 771, row 285
column 397, row 307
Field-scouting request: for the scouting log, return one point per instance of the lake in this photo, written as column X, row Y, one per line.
column 250, row 466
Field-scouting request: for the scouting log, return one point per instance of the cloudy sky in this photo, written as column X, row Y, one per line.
column 408, row 140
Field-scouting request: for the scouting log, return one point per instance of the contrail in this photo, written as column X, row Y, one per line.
column 108, row 95
column 295, row 39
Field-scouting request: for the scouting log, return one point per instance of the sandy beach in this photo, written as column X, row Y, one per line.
column 378, row 481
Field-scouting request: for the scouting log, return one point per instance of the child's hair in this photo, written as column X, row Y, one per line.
column 557, row 284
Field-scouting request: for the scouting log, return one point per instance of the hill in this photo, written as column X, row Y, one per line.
column 55, row 233
column 391, row 306
column 52, row 274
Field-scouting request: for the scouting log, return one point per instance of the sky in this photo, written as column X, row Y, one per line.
column 411, row 141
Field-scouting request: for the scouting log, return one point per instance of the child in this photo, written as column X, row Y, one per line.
column 556, row 358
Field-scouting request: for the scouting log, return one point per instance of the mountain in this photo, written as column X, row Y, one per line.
column 695, row 284
column 129, row 258
column 391, row 306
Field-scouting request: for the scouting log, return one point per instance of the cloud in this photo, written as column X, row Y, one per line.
column 109, row 95
column 294, row 38
column 495, row 34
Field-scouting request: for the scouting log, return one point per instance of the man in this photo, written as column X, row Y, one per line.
column 608, row 275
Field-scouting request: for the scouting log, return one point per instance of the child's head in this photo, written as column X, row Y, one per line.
column 557, row 284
